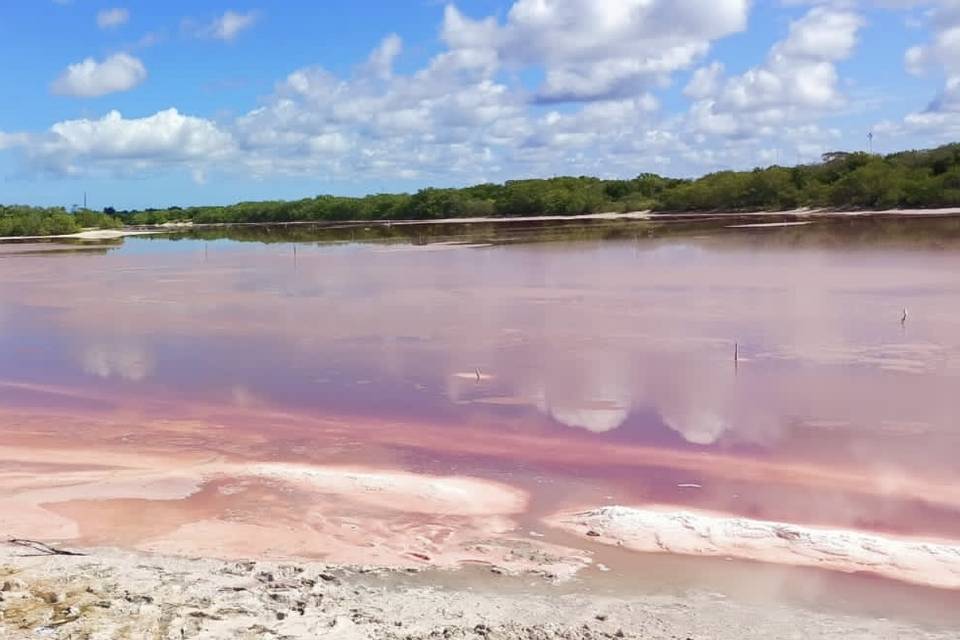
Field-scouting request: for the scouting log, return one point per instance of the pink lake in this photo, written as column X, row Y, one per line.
column 189, row 395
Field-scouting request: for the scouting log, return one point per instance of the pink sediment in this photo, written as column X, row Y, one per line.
column 195, row 504
column 194, row 486
column 203, row 428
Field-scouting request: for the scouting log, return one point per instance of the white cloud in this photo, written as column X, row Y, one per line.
column 445, row 115
column 109, row 18
column 229, row 25
column 89, row 78
column 942, row 52
column 595, row 50
column 705, row 81
column 11, row 140
column 380, row 62
column 940, row 120
column 798, row 82
column 464, row 116
column 119, row 144
column 453, row 119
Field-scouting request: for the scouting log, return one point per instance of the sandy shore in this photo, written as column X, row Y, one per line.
column 765, row 225
column 113, row 594
column 628, row 215
column 607, row 216
column 666, row 530
column 89, row 234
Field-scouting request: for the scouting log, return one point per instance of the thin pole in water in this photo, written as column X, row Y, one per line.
column 478, row 374
column 736, row 355
column 903, row 318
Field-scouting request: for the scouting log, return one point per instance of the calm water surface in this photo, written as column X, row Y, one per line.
column 605, row 355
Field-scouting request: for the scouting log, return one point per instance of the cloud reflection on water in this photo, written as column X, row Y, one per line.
column 126, row 361
column 618, row 339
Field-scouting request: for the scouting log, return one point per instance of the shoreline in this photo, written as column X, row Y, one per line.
column 89, row 234
column 644, row 215
column 647, row 215
column 118, row 594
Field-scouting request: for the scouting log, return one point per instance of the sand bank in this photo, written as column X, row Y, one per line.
column 764, row 225
column 931, row 563
column 113, row 594
column 89, row 234
column 629, row 215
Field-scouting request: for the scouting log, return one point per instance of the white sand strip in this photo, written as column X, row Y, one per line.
column 764, row 225
column 89, row 234
column 652, row 529
column 611, row 215
column 400, row 490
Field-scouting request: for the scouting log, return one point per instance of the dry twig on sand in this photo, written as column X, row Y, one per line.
column 42, row 548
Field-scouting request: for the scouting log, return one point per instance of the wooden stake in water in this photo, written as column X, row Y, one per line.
column 903, row 318
column 478, row 374
column 736, row 354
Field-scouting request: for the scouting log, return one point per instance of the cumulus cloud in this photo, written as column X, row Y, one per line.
column 598, row 50
column 457, row 117
column 446, row 114
column 109, row 18
column 940, row 120
column 941, row 53
column 90, row 78
column 705, row 81
column 11, row 140
column 797, row 82
column 453, row 117
column 380, row 62
column 464, row 116
column 126, row 144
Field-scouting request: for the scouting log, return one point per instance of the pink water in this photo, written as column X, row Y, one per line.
column 607, row 371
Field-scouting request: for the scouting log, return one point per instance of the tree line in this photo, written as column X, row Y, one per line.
column 920, row 178
column 22, row 220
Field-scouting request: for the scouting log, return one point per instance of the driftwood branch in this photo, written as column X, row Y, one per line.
column 42, row 548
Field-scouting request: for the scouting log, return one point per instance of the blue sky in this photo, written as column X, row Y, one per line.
column 147, row 104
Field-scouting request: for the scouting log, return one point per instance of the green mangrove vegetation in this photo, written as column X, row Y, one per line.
column 916, row 179
column 922, row 179
column 20, row 220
